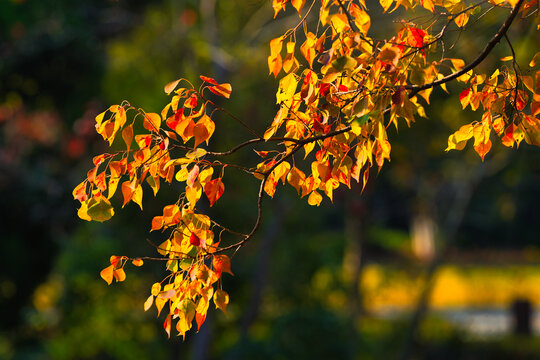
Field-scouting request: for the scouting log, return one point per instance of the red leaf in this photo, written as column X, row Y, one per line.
column 98, row 160
column 167, row 325
column 209, row 80
column 194, row 240
column 200, row 318
column 114, row 260
column 465, row 97
column 191, row 102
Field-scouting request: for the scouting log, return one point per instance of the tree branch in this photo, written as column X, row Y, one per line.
column 485, row 52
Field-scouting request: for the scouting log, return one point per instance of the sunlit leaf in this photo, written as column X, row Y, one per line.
column 148, row 303
column 221, row 299
column 221, row 264
column 107, row 274
column 213, row 190
column 101, row 210
column 137, row 262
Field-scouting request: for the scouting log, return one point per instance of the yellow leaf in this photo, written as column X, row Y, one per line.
column 169, row 88
column 464, row 133
column 298, row 5
column 156, row 288
column 308, row 148
column 186, row 313
column 138, row 195
column 458, row 64
column 113, row 184
column 193, row 194
column 287, row 88
column 314, row 198
column 296, row 178
column 152, row 122
column 83, row 211
column 276, row 45
column 386, row 4
column 182, row 174
column 99, row 118
column 160, row 303
column 428, row 4
column 148, row 303
column 221, row 299
column 206, row 175
column 462, row 19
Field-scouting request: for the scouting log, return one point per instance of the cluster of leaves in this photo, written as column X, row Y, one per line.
column 189, row 287
column 336, row 102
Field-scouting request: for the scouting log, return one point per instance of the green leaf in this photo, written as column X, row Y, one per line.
column 344, row 63
column 101, row 210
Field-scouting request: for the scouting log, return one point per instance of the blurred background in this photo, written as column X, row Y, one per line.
column 439, row 258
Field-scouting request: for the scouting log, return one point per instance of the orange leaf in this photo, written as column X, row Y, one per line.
column 200, row 318
column 128, row 188
column 79, row 193
column 296, row 178
column 119, row 275
column 137, row 262
column 365, row 178
column 209, row 80
column 200, row 132
column 114, row 259
column 221, row 90
column 274, row 64
column 298, row 5
column 222, row 263
column 428, row 4
column 483, row 148
column 127, row 135
column 213, row 190
column 191, row 102
column 107, row 274
column 152, row 121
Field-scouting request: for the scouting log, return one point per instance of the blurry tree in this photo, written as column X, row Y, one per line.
column 337, row 110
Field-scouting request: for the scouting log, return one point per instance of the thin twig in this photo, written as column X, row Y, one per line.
column 483, row 54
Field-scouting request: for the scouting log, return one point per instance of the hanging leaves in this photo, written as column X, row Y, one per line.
column 337, row 109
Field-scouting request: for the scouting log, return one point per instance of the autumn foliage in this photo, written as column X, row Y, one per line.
column 339, row 92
